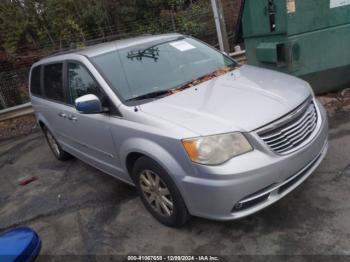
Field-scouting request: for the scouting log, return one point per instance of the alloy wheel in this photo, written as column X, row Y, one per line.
column 156, row 193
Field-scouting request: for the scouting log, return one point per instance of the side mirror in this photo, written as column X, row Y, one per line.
column 88, row 104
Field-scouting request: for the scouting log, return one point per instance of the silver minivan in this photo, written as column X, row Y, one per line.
column 195, row 132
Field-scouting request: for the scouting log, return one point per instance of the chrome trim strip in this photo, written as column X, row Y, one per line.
column 285, row 137
column 270, row 190
column 274, row 197
column 287, row 118
column 300, row 135
column 312, row 135
column 292, row 127
column 308, row 117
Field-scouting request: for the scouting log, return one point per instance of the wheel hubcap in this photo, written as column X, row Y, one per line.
column 156, row 193
column 53, row 143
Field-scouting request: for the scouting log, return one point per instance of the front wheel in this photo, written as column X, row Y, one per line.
column 159, row 193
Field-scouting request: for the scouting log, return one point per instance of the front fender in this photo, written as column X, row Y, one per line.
column 41, row 118
column 176, row 163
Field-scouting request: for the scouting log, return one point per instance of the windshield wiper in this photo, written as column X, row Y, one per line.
column 150, row 95
column 150, row 51
column 184, row 86
column 204, row 78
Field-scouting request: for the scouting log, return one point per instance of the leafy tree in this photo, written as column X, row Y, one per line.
column 44, row 25
column 13, row 24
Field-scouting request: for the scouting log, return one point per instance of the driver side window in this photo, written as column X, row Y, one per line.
column 81, row 83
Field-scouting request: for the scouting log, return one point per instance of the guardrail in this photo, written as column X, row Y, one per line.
column 16, row 111
column 27, row 109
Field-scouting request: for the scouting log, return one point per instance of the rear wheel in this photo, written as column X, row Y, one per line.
column 159, row 193
column 55, row 147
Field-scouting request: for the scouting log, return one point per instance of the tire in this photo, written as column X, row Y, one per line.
column 166, row 193
column 55, row 147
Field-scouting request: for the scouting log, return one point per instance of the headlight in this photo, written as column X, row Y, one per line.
column 215, row 150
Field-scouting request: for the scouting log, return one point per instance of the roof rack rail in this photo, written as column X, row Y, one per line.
column 74, row 48
column 64, row 51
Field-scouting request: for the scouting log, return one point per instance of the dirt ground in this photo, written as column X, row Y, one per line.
column 77, row 210
column 19, row 126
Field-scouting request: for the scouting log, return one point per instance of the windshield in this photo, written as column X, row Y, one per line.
column 159, row 66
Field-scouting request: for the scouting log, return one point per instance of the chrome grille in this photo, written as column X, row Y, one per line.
column 288, row 133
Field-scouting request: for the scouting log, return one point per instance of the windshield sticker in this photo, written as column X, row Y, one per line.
column 338, row 3
column 182, row 45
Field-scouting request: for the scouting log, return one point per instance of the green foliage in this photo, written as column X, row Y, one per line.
column 194, row 21
column 173, row 15
column 42, row 25
column 12, row 24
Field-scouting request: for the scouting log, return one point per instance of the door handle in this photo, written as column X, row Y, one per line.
column 72, row 118
column 62, row 115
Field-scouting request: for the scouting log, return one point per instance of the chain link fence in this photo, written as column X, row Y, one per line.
column 14, row 88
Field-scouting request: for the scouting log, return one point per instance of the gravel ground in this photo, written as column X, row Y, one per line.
column 18, row 126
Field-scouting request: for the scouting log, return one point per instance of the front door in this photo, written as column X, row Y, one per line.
column 91, row 133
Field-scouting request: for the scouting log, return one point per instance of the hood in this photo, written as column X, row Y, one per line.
column 242, row 100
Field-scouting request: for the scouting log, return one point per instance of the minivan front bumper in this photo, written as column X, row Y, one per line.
column 251, row 182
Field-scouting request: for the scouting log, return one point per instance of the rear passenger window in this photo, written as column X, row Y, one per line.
column 81, row 83
column 35, row 86
column 53, row 82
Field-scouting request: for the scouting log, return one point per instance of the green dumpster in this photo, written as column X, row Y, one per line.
column 306, row 38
